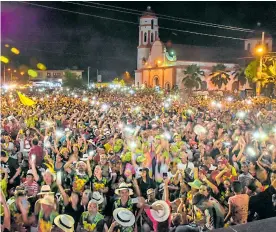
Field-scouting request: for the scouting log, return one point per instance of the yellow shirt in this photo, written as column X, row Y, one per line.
column 3, row 186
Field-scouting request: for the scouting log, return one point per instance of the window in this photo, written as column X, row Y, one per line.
column 248, row 46
column 152, row 23
column 151, row 37
column 145, row 37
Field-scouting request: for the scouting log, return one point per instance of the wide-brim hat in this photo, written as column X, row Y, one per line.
column 160, row 215
column 65, row 222
column 124, row 217
column 123, row 186
column 195, row 184
column 48, row 200
column 97, row 197
column 45, row 189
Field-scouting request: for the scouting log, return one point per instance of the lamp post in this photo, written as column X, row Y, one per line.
column 261, row 51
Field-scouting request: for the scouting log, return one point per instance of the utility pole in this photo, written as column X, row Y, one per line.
column 97, row 74
column 258, row 84
column 88, row 76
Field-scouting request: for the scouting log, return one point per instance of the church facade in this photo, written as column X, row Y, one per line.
column 161, row 65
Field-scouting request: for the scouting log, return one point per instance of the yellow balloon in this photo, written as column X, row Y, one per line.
column 32, row 73
column 41, row 66
column 15, row 50
column 4, row 59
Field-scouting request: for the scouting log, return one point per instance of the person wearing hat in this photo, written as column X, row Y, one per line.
column 124, row 220
column 45, row 190
column 125, row 201
column 47, row 213
column 91, row 219
column 63, row 223
column 72, row 204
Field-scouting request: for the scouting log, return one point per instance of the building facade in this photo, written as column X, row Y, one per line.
column 56, row 75
column 162, row 65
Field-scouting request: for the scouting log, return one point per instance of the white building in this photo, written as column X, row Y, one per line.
column 162, row 65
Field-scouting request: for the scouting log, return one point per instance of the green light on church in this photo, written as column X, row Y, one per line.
column 172, row 53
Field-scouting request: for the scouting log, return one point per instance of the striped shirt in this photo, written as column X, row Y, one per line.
column 32, row 189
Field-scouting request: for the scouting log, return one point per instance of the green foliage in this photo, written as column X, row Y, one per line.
column 251, row 71
column 73, row 81
column 192, row 77
column 219, row 75
column 117, row 81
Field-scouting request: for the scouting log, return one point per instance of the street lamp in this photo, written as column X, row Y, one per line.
column 260, row 50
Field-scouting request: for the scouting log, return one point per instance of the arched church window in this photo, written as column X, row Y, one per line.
column 151, row 37
column 248, row 46
column 145, row 37
column 152, row 23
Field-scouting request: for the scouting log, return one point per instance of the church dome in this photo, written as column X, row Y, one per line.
column 148, row 13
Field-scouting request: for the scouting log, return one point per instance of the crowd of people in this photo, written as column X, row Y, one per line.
column 135, row 160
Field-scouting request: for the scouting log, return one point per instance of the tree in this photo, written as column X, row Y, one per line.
column 251, row 71
column 239, row 75
column 192, row 77
column 219, row 75
column 71, row 80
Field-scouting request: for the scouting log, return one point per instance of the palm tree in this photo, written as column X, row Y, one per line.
column 219, row 75
column 192, row 77
column 239, row 75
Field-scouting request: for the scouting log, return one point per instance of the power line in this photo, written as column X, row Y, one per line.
column 167, row 17
column 124, row 21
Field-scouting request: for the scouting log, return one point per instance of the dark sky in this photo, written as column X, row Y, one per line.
column 60, row 39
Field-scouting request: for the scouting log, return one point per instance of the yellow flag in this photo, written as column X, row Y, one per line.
column 25, row 100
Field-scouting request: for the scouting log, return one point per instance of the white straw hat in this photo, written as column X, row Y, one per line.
column 162, row 214
column 124, row 217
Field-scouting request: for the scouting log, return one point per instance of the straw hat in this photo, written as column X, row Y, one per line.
column 97, row 197
column 65, row 222
column 124, row 217
column 163, row 214
column 48, row 200
column 45, row 189
column 123, row 186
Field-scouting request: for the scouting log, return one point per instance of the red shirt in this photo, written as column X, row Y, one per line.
column 38, row 152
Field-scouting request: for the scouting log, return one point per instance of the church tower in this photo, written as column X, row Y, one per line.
column 148, row 33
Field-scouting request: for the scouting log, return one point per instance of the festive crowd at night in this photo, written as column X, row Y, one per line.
column 131, row 159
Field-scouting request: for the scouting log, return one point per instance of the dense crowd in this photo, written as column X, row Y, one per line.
column 135, row 160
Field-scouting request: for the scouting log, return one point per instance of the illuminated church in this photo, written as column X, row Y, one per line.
column 161, row 65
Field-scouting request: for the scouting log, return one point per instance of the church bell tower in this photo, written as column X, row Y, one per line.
column 148, row 33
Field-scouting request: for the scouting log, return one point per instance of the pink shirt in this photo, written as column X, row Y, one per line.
column 154, row 222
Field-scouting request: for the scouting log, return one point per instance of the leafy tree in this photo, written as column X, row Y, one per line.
column 219, row 75
column 192, row 77
column 251, row 71
column 239, row 75
column 71, row 80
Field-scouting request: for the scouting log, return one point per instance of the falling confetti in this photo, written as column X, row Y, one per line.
column 32, row 73
column 41, row 66
column 4, row 59
column 15, row 50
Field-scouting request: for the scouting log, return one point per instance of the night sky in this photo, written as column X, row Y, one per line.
column 60, row 39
